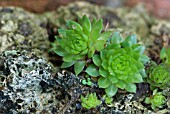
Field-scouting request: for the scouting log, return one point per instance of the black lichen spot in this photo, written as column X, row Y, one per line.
column 8, row 104
column 19, row 106
column 32, row 110
column 41, row 72
column 2, row 79
column 25, row 28
column 50, row 101
column 19, row 100
column 6, row 71
column 54, row 110
column 44, row 86
column 20, row 90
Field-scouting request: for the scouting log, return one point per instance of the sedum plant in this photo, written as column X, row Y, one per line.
column 157, row 100
column 90, row 101
column 79, row 41
column 159, row 76
column 120, row 65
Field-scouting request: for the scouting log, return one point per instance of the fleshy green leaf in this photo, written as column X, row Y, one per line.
column 138, row 48
column 143, row 73
column 103, row 54
column 129, row 41
column 71, row 58
column 74, row 25
column 168, row 54
column 147, row 100
column 79, row 66
column 163, row 54
column 139, row 65
column 105, row 35
column 92, row 71
column 96, row 30
column 67, row 64
column 130, row 79
column 143, row 58
column 86, row 24
column 62, row 32
column 138, row 78
column 130, row 87
column 120, row 84
column 111, row 90
column 105, row 64
column 99, row 45
column 103, row 82
column 58, row 40
column 91, row 52
column 93, row 22
column 153, row 106
column 132, row 39
column 60, row 51
column 103, row 72
column 96, row 59
column 116, row 38
column 113, row 78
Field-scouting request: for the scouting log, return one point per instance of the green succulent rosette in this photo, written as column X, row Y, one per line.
column 90, row 101
column 120, row 64
column 159, row 76
column 79, row 42
column 157, row 100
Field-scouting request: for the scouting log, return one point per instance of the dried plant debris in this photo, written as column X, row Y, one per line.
column 21, row 29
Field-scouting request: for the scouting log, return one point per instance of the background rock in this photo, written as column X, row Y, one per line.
column 21, row 29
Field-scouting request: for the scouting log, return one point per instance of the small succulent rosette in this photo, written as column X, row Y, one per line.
column 90, row 101
column 120, row 64
column 159, row 76
column 157, row 100
column 79, row 42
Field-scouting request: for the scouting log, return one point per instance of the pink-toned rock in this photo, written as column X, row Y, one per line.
column 37, row 6
column 159, row 8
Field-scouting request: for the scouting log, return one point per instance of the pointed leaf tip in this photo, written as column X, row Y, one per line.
column 79, row 66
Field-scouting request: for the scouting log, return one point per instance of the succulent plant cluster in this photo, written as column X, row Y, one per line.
column 157, row 100
column 90, row 101
column 117, row 63
column 80, row 41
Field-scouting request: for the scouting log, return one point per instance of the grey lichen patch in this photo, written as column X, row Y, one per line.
column 25, row 83
column 20, row 29
column 124, row 104
column 29, row 84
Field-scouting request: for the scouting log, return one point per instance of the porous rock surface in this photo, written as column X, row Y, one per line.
column 29, row 84
column 23, row 79
column 21, row 29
